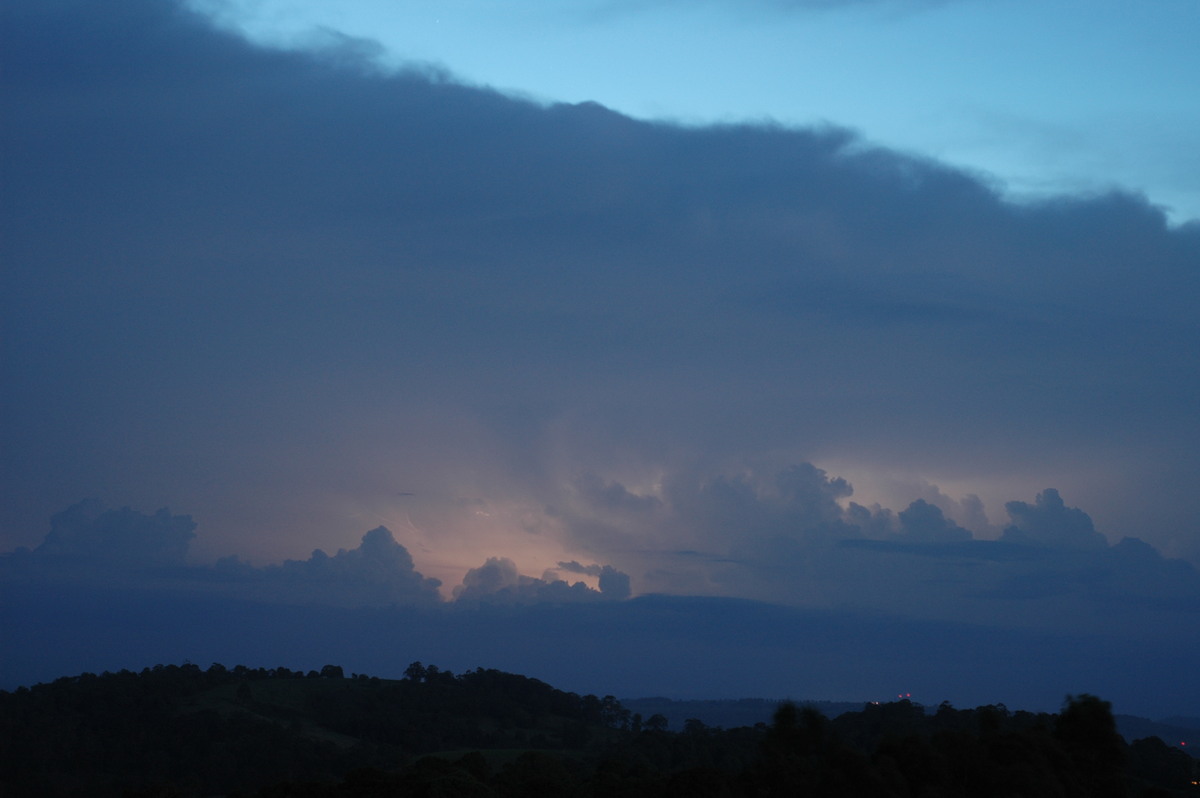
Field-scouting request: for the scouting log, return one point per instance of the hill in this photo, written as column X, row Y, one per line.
column 727, row 713
column 182, row 731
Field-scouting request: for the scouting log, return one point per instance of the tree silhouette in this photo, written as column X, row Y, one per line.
column 1087, row 730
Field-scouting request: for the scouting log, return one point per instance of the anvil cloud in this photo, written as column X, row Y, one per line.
column 298, row 296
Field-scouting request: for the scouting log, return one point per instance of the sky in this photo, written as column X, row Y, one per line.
column 485, row 347
column 1037, row 98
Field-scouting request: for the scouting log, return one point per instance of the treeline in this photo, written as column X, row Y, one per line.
column 220, row 730
column 275, row 733
column 893, row 750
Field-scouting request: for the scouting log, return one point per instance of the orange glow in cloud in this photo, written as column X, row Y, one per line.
column 447, row 536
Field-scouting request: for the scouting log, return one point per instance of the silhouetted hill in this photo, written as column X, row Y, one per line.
column 217, row 730
column 727, row 713
column 1179, row 732
column 182, row 731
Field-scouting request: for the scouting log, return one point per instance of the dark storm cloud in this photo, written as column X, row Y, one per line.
column 91, row 545
column 122, row 538
column 270, row 287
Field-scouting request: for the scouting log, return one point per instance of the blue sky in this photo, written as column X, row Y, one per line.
column 387, row 340
column 1042, row 98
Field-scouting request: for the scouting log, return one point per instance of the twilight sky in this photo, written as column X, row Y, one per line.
column 1041, row 98
column 300, row 293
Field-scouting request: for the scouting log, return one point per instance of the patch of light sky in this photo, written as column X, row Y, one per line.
column 1070, row 96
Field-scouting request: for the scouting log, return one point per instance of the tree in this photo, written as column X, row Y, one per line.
column 1087, row 730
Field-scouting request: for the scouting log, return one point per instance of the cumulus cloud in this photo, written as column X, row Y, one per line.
column 1049, row 522
column 575, row 567
column 793, row 536
column 700, row 511
column 789, row 536
column 924, row 522
column 614, row 583
column 90, row 544
column 379, row 572
column 499, row 581
column 800, row 500
column 120, row 538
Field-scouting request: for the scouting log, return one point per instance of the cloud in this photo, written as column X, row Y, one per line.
column 379, row 572
column 498, row 581
column 925, row 523
column 911, row 594
column 496, row 576
column 274, row 287
column 614, row 583
column 792, row 536
column 88, row 544
column 574, row 567
column 1049, row 522
column 120, row 538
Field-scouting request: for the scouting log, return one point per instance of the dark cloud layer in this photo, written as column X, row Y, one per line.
column 301, row 271
column 298, row 296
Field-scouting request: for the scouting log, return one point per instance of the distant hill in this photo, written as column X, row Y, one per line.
column 727, row 713
column 1183, row 733
column 179, row 731
column 1180, row 732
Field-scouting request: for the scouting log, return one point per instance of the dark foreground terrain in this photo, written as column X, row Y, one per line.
column 184, row 731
